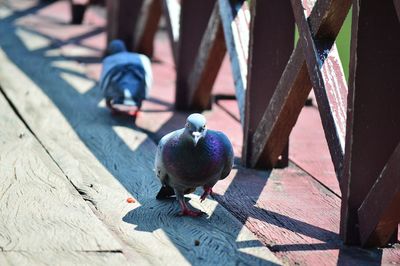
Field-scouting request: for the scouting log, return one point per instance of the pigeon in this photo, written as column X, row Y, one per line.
column 125, row 79
column 191, row 157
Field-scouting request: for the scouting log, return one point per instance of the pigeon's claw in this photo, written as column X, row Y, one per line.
column 207, row 191
column 188, row 212
column 185, row 211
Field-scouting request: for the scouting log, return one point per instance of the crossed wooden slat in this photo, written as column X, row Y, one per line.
column 370, row 212
column 314, row 63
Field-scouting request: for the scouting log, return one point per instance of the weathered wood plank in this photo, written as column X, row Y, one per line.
column 66, row 258
column 379, row 214
column 121, row 20
column 295, row 216
column 306, row 140
column 281, row 114
column 294, row 86
column 147, row 27
column 327, row 78
column 40, row 209
column 107, row 160
column 373, row 125
column 207, row 63
column 267, row 60
column 192, row 28
column 235, row 18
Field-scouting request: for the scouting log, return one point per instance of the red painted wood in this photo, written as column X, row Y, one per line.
column 267, row 60
column 373, row 126
column 121, row 20
column 289, row 211
column 309, row 149
column 146, row 32
column 327, row 77
column 191, row 30
column 379, row 214
column 208, row 61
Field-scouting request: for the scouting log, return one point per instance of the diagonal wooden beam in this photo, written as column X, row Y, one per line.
column 207, row 64
column 379, row 214
column 235, row 18
column 147, row 27
column 194, row 19
column 373, row 121
column 327, row 78
column 294, row 86
column 267, row 60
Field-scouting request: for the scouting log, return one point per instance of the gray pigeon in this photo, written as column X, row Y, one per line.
column 191, row 157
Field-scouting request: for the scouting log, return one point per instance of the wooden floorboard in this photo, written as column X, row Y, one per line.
column 40, row 209
column 292, row 211
column 107, row 160
column 62, row 258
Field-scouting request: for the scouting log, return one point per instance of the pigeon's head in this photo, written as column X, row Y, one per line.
column 196, row 127
column 116, row 46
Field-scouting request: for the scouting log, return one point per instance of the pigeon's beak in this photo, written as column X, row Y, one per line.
column 196, row 137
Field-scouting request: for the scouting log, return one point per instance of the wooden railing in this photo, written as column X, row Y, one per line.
column 361, row 118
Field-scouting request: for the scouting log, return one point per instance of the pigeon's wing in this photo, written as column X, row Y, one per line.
column 159, row 163
column 165, row 191
column 228, row 154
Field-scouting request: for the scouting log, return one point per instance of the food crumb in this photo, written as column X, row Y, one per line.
column 197, row 242
column 130, row 200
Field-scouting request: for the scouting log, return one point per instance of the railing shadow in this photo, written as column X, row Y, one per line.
column 81, row 110
column 67, row 98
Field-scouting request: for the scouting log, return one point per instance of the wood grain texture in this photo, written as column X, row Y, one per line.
column 108, row 161
column 308, row 140
column 191, row 31
column 379, row 214
column 267, row 61
column 61, row 258
column 373, row 124
column 295, row 217
column 281, row 114
column 236, row 23
column 208, row 61
column 327, row 77
column 296, row 74
column 40, row 210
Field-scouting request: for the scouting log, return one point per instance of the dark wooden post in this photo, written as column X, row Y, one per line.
column 193, row 22
column 373, row 116
column 78, row 9
column 147, row 29
column 121, row 20
column 269, row 51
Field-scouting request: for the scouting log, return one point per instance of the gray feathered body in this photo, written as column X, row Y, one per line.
column 184, row 166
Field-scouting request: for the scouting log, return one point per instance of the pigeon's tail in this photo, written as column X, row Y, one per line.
column 165, row 192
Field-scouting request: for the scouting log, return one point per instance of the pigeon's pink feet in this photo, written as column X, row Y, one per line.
column 188, row 212
column 207, row 191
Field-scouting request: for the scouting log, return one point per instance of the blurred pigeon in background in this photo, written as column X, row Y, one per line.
column 126, row 79
column 191, row 157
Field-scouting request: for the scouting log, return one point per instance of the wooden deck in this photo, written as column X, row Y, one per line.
column 68, row 166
